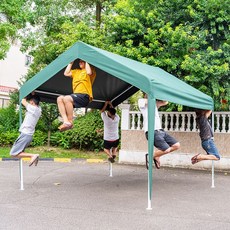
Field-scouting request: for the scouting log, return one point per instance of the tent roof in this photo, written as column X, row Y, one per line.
column 117, row 79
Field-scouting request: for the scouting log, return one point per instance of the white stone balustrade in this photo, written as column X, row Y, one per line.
column 175, row 121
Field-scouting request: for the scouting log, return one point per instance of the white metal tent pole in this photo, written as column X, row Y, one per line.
column 122, row 93
column 213, row 185
column 213, row 170
column 58, row 94
column 21, row 174
column 110, row 167
column 20, row 161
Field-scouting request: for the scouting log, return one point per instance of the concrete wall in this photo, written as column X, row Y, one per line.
column 134, row 147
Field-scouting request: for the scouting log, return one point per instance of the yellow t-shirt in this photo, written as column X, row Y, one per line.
column 82, row 82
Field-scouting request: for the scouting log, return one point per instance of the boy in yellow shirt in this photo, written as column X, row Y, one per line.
column 82, row 81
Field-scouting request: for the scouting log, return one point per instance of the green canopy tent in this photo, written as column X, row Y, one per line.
column 117, row 79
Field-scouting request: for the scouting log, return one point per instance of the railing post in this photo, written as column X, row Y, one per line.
column 125, row 119
column 217, row 122
column 194, row 122
column 166, row 121
column 133, row 121
column 171, row 122
column 177, row 122
column 223, row 123
column 182, row 122
column 139, row 121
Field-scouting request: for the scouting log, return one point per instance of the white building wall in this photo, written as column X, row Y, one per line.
column 13, row 67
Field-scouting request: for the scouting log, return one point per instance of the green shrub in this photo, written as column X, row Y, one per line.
column 9, row 119
column 39, row 138
column 61, row 139
column 7, row 138
column 87, row 133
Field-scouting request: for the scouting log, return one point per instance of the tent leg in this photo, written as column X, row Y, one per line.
column 149, row 205
column 110, row 169
column 213, row 186
column 149, row 199
column 21, row 174
column 110, row 166
column 151, row 127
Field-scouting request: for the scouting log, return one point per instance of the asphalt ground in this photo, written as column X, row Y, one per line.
column 82, row 195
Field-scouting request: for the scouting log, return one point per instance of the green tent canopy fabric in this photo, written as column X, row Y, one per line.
column 117, row 79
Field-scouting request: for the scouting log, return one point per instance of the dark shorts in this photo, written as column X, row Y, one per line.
column 210, row 148
column 80, row 100
column 20, row 144
column 162, row 140
column 111, row 144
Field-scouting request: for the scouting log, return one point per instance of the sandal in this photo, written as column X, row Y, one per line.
column 195, row 156
column 157, row 163
column 65, row 126
column 34, row 160
column 194, row 159
column 147, row 161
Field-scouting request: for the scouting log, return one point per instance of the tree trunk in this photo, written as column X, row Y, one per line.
column 98, row 13
column 48, row 140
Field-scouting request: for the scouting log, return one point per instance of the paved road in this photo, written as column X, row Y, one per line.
column 81, row 195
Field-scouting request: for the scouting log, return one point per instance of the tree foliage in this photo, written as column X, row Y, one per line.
column 12, row 18
column 187, row 38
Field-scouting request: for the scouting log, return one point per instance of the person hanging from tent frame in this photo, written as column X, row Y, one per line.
column 162, row 140
column 27, row 129
column 206, row 136
column 111, row 134
column 82, row 81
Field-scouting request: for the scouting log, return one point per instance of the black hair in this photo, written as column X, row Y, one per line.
column 112, row 111
column 35, row 99
column 199, row 113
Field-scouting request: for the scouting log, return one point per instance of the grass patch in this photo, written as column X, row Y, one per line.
column 54, row 152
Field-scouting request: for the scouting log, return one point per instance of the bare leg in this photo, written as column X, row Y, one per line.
column 158, row 153
column 33, row 157
column 62, row 109
column 114, row 151
column 68, row 101
column 107, row 151
column 201, row 157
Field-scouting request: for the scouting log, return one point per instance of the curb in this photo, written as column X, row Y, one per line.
column 60, row 160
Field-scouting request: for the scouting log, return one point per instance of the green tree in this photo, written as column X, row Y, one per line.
column 49, row 115
column 12, row 18
column 57, row 25
column 192, row 44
